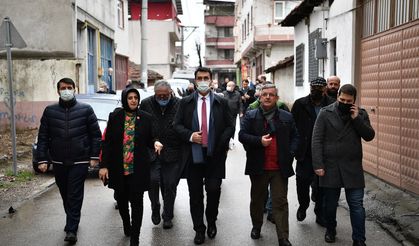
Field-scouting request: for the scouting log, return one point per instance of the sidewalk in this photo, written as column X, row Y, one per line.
column 394, row 210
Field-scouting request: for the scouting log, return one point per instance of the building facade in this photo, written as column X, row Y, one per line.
column 163, row 33
column 72, row 39
column 372, row 44
column 260, row 42
column 388, row 75
column 219, row 40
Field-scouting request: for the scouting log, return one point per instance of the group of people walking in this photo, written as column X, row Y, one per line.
column 152, row 145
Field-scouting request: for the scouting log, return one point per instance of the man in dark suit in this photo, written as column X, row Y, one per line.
column 270, row 138
column 205, row 125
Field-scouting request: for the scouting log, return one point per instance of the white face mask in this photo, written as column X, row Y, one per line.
column 66, row 95
column 202, row 86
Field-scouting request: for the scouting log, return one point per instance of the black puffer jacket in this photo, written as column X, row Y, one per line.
column 69, row 132
column 163, row 119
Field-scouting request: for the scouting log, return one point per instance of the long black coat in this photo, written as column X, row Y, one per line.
column 224, row 129
column 112, row 150
column 337, row 147
column 305, row 116
column 251, row 131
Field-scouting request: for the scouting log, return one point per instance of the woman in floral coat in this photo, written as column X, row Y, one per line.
column 125, row 160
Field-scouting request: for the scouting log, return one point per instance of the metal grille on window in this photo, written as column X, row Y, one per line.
column 368, row 18
column 313, row 63
column 299, row 65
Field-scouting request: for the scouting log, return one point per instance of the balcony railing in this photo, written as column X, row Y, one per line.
column 273, row 33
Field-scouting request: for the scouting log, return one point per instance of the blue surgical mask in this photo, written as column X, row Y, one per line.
column 202, row 86
column 67, row 95
column 163, row 103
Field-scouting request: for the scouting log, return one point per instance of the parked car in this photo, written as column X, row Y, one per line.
column 102, row 105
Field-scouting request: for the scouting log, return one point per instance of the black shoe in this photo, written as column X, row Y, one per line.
column 330, row 236
column 167, row 224
column 134, row 240
column 127, row 229
column 71, row 237
column 359, row 243
column 155, row 216
column 199, row 237
column 270, row 218
column 284, row 242
column 212, row 230
column 301, row 214
column 320, row 221
column 255, row 233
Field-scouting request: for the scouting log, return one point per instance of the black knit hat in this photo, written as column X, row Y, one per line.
column 319, row 81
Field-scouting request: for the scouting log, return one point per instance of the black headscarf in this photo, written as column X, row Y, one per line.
column 124, row 98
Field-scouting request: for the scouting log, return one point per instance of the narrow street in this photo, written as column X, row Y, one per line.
column 41, row 221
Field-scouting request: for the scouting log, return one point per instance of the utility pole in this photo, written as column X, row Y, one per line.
column 144, row 17
column 182, row 43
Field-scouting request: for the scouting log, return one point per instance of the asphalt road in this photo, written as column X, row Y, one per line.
column 40, row 221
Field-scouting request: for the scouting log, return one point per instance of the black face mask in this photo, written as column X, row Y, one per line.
column 332, row 93
column 316, row 95
column 344, row 108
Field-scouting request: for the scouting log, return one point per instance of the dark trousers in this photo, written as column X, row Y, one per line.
column 258, row 195
column 303, row 193
column 135, row 198
column 196, row 181
column 164, row 176
column 355, row 198
column 70, row 182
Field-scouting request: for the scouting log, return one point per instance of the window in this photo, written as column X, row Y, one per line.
column 228, row 54
column 299, row 65
column 120, row 10
column 401, row 12
column 389, row 14
column 91, row 59
column 245, row 28
column 368, row 18
column 279, row 10
column 228, row 32
column 248, row 21
column 251, row 17
column 383, row 15
column 313, row 63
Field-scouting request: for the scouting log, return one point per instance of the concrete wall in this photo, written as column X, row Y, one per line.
column 45, row 25
column 33, row 89
column 99, row 13
column 134, row 29
column 122, row 34
column 284, row 80
column 340, row 22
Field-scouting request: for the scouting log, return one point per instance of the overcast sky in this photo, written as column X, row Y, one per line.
column 193, row 15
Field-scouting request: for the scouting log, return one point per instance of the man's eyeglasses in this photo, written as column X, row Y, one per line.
column 268, row 95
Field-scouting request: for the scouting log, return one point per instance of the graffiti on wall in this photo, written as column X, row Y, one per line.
column 20, row 117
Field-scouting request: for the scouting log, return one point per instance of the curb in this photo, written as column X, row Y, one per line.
column 37, row 192
column 395, row 210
